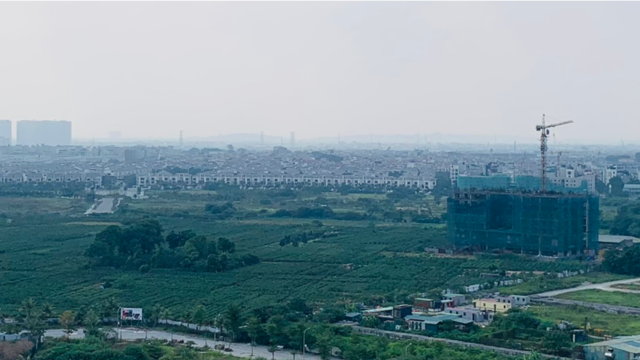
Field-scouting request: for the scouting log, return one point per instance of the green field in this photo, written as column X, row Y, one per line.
column 540, row 284
column 612, row 324
column 604, row 297
column 42, row 257
column 10, row 206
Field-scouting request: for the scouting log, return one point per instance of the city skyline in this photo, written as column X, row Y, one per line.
column 323, row 69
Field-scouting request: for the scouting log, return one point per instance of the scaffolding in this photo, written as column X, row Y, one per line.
column 518, row 219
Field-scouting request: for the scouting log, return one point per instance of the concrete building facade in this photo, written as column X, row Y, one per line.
column 5, row 132
column 45, row 132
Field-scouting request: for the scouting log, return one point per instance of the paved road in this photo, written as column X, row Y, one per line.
column 240, row 350
column 602, row 286
column 102, row 206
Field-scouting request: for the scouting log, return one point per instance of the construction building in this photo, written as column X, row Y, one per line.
column 45, row 132
column 514, row 214
column 5, row 132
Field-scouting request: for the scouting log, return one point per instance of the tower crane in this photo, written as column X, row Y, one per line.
column 544, row 134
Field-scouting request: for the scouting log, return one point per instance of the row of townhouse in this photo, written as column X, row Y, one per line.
column 93, row 178
column 188, row 179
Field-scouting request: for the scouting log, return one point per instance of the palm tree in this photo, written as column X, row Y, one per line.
column 218, row 323
column 35, row 326
column 109, row 308
column 165, row 314
column 92, row 321
column 156, row 312
column 199, row 316
column 28, row 307
column 46, row 311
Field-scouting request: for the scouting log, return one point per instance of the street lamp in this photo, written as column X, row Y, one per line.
column 407, row 348
column 304, row 343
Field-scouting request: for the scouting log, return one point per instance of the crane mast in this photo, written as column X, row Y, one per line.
column 544, row 134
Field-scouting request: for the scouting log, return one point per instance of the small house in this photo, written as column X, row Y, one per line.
column 433, row 324
column 458, row 299
column 353, row 316
column 492, row 305
column 402, row 311
column 621, row 348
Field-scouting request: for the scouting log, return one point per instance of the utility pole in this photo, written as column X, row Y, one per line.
column 304, row 343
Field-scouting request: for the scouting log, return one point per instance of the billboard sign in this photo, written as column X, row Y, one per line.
column 130, row 314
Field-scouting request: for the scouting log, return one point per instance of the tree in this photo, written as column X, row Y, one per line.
column 226, row 245
column 323, row 344
column 136, row 352
column 275, row 329
column 165, row 314
column 199, row 316
column 253, row 329
column 36, row 328
column 175, row 240
column 371, row 322
column 67, row 319
column 233, row 319
column 514, row 322
column 213, row 263
column 616, row 185
column 46, row 311
column 300, row 305
column 92, row 323
column 295, row 333
column 223, row 262
column 601, row 187
column 110, row 308
column 218, row 323
column 533, row 356
column 28, row 307
column 443, row 185
column 156, row 313
column 272, row 349
column 625, row 262
column 555, row 340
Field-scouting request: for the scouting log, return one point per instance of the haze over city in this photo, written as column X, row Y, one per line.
column 485, row 70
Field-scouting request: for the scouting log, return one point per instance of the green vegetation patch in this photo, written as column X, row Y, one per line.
column 604, row 297
column 611, row 324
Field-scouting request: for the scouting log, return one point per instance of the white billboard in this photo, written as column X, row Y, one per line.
column 130, row 314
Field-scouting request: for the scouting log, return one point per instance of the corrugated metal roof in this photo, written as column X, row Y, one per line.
column 616, row 239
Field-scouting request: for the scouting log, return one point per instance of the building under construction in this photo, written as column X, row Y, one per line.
column 518, row 215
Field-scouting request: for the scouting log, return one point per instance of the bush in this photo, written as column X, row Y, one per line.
column 144, row 269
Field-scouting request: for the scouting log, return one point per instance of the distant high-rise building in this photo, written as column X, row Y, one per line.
column 134, row 154
column 292, row 139
column 5, row 132
column 115, row 135
column 43, row 132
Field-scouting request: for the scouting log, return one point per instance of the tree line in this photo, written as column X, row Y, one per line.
column 142, row 246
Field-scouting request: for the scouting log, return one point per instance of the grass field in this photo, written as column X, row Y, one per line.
column 604, row 297
column 44, row 259
column 10, row 206
column 632, row 286
column 612, row 324
column 539, row 285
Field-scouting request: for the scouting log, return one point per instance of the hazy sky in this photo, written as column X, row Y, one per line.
column 319, row 69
